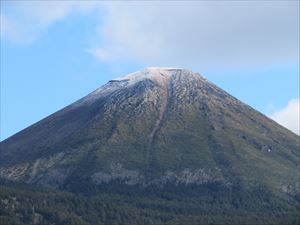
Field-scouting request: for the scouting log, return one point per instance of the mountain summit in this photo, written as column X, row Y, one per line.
column 160, row 128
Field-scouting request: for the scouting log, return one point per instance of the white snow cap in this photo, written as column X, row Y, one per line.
column 153, row 73
column 160, row 75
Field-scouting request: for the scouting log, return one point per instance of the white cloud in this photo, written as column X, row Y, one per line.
column 227, row 33
column 178, row 33
column 23, row 21
column 289, row 116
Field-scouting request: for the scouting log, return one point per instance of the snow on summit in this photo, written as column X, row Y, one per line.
column 156, row 74
column 159, row 75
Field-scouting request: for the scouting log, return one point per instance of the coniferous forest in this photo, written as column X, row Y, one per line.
column 206, row 204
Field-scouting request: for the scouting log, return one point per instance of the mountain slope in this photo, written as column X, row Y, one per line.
column 163, row 129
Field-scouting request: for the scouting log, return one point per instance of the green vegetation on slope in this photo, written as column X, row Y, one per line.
column 194, row 204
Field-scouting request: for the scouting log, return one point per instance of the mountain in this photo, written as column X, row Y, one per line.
column 167, row 135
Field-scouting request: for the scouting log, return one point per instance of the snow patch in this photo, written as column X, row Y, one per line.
column 156, row 74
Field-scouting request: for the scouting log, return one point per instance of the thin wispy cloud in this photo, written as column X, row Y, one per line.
column 24, row 21
column 99, row 54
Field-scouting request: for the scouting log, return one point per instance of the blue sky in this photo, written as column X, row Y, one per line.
column 53, row 53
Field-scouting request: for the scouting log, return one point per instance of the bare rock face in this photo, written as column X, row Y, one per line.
column 154, row 127
column 129, row 177
column 132, row 177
